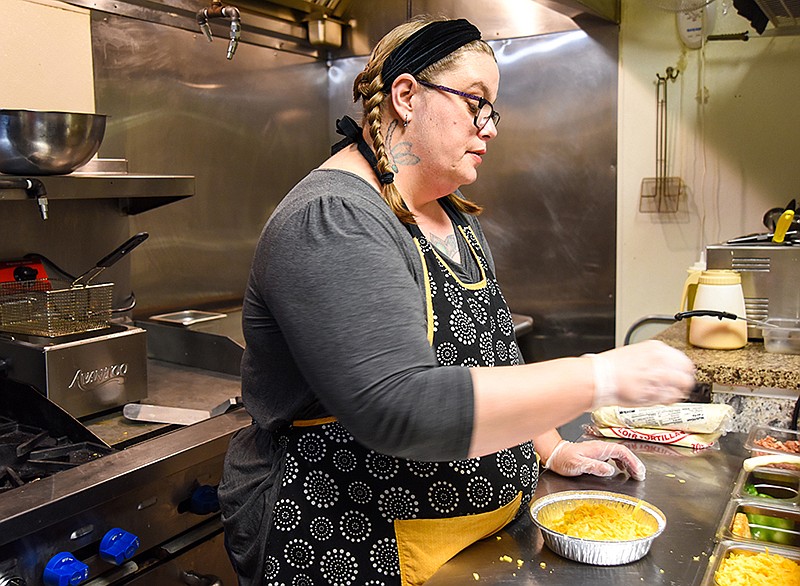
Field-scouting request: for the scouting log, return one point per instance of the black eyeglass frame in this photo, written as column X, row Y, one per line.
column 494, row 116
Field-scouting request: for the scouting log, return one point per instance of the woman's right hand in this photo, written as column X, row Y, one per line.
column 637, row 375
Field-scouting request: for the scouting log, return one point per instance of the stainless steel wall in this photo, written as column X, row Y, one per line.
column 549, row 187
column 247, row 129
column 548, row 183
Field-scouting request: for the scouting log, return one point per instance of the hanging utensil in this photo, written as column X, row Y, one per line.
column 662, row 193
column 111, row 258
column 721, row 315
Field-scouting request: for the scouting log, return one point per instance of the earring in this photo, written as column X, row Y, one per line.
column 405, row 122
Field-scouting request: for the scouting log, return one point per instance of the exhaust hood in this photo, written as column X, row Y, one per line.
column 783, row 14
column 605, row 9
column 322, row 18
column 330, row 8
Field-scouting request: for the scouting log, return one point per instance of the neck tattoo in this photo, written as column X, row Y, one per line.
column 447, row 245
column 401, row 152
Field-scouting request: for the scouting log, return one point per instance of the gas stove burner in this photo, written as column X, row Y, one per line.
column 65, row 456
column 39, row 439
column 29, row 453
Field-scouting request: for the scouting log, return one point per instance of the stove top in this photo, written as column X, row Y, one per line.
column 29, row 453
column 85, row 481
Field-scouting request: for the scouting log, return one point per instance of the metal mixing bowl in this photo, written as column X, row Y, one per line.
column 48, row 143
column 589, row 551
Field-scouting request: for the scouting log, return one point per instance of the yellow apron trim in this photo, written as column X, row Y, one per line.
column 428, row 300
column 425, row 545
column 313, row 422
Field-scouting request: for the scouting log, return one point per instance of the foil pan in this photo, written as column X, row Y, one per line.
column 588, row 551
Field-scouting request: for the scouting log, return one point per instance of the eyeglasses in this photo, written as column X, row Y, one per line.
column 485, row 111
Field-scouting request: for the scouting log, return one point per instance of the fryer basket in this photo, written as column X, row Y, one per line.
column 52, row 308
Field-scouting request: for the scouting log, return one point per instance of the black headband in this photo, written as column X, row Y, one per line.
column 426, row 46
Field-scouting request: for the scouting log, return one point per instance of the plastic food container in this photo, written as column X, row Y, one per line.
column 767, row 524
column 588, row 551
column 774, row 440
column 784, row 339
column 726, row 548
column 769, row 485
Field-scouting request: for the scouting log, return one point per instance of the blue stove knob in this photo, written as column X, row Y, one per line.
column 204, row 500
column 118, row 546
column 64, row 570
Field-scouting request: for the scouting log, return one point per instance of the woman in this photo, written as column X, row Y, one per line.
column 393, row 419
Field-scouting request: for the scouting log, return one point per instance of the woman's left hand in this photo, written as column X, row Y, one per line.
column 592, row 457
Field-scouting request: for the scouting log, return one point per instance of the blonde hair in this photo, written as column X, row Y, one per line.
column 368, row 86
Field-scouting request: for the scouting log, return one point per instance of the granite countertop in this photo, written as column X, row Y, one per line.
column 751, row 366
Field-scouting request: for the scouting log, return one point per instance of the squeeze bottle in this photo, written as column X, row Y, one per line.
column 720, row 290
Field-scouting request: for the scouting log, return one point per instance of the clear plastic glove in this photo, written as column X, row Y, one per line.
column 638, row 375
column 593, row 457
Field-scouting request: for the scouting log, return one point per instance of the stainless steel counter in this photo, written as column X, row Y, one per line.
column 169, row 385
column 691, row 489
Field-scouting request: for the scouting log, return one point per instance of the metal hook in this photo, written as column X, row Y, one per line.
column 670, row 74
column 218, row 10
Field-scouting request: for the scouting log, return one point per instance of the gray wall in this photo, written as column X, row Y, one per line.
column 249, row 128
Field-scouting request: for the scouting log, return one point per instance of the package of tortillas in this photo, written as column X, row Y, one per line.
column 713, row 418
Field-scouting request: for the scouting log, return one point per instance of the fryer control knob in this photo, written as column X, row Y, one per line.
column 118, row 546
column 64, row 570
column 204, row 500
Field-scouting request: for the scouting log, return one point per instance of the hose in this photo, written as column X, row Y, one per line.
column 655, row 318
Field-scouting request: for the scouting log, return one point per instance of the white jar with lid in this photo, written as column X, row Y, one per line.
column 719, row 290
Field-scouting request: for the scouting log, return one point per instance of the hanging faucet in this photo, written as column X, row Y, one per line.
column 34, row 188
column 218, row 10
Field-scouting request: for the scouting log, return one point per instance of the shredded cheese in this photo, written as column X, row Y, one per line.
column 602, row 523
column 757, row 569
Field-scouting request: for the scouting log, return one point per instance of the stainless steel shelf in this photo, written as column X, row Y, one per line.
column 136, row 193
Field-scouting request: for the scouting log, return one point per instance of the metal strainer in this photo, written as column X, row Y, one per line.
column 52, row 308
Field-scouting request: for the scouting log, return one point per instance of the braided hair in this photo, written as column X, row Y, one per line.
column 368, row 87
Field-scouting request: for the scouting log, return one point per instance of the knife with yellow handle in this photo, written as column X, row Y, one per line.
column 783, row 223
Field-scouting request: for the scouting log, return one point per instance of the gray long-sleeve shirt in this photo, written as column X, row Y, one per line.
column 334, row 323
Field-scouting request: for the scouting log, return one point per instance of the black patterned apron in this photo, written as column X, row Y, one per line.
column 347, row 515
